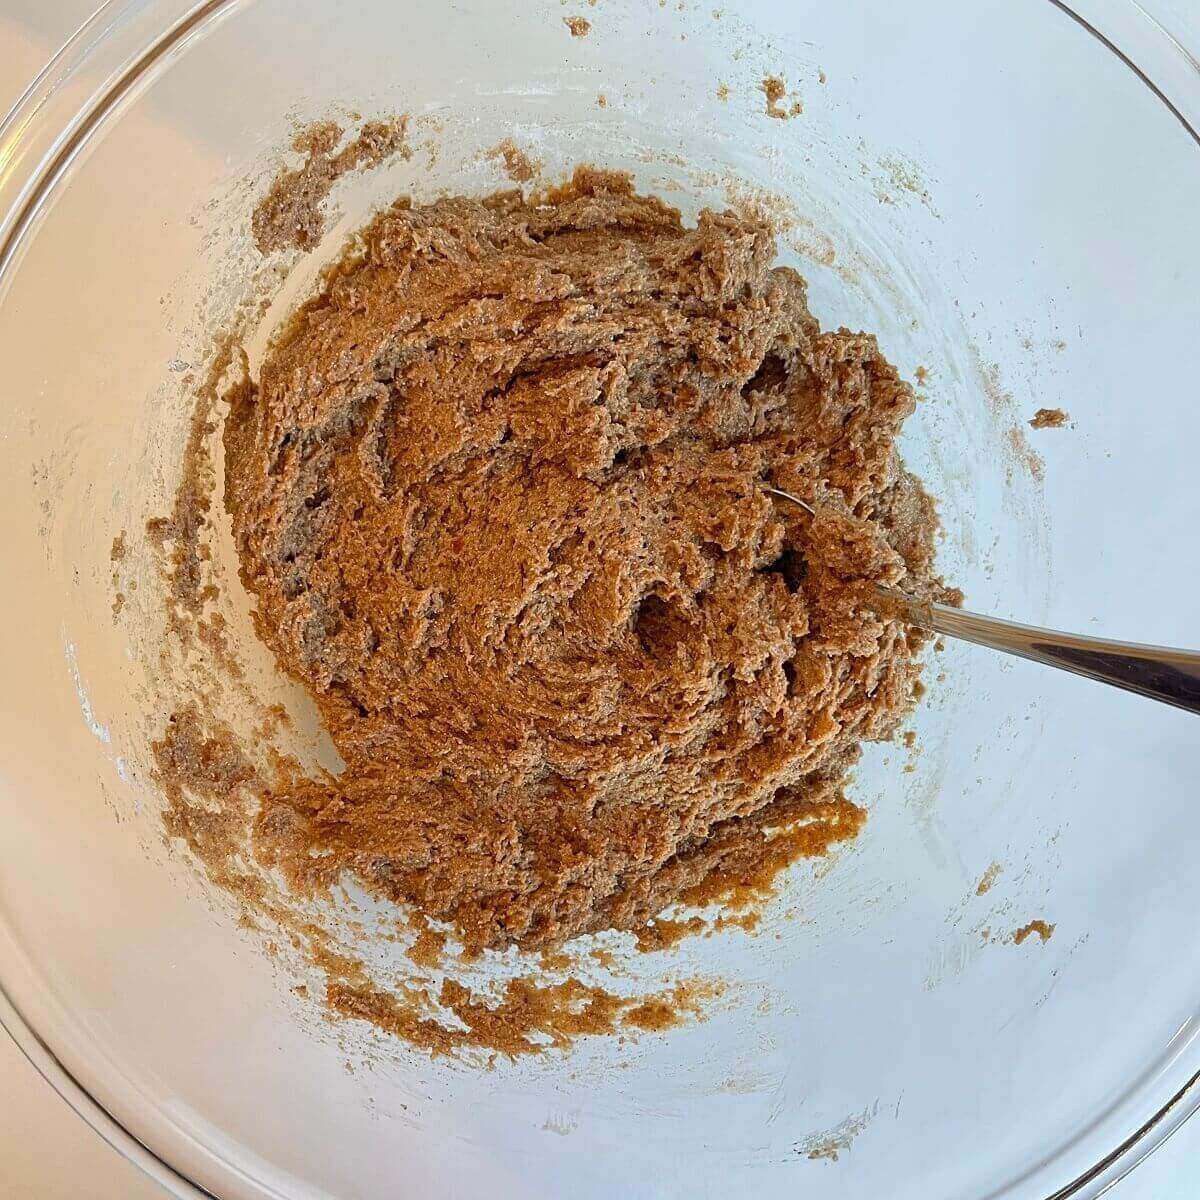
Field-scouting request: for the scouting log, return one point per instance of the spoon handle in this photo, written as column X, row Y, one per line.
column 1172, row 676
column 1159, row 672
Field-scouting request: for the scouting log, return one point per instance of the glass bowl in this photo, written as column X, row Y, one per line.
column 1005, row 192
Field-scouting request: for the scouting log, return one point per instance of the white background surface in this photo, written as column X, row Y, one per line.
column 46, row 1152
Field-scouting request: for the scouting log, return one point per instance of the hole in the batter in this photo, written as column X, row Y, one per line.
column 789, row 673
column 772, row 373
column 658, row 626
column 790, row 567
column 276, row 464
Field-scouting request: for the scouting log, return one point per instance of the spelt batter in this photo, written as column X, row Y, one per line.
column 498, row 495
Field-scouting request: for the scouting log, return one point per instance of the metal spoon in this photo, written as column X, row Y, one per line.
column 1159, row 672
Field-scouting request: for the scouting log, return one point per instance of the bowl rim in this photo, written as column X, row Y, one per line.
column 121, row 48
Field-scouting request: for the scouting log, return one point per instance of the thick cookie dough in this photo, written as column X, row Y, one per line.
column 498, row 494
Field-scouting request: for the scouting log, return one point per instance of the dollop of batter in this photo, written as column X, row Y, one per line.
column 498, row 493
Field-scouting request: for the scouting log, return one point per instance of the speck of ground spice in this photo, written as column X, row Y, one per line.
column 579, row 26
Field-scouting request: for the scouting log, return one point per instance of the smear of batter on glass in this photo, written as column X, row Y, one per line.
column 289, row 216
column 988, row 880
column 1041, row 928
column 519, row 165
column 775, row 90
column 1049, row 418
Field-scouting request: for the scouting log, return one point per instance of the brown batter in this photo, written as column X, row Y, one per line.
column 1049, row 418
column 775, row 90
column 498, row 493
